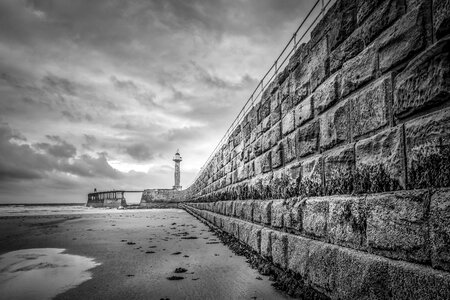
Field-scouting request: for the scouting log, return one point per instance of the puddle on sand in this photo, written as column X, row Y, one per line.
column 41, row 273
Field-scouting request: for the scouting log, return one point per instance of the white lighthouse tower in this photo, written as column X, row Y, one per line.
column 177, row 159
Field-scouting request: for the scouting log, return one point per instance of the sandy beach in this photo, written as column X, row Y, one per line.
column 138, row 252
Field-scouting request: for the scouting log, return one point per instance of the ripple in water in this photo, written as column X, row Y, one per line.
column 41, row 273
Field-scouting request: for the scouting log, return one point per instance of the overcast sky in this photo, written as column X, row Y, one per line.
column 102, row 93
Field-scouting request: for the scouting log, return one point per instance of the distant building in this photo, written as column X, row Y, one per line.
column 177, row 159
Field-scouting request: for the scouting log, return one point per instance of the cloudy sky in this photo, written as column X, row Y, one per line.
column 102, row 93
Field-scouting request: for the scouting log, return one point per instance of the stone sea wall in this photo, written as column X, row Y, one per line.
column 341, row 172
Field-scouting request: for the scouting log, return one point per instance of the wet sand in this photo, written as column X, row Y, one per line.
column 139, row 251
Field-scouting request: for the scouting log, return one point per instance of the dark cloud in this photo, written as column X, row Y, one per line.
column 60, row 148
column 139, row 152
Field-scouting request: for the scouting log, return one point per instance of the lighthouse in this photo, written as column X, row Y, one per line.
column 177, row 159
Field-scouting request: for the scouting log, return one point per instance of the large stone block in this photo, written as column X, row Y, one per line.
column 277, row 156
column 379, row 162
column 346, row 224
column 441, row 18
column 254, row 240
column 267, row 162
column 339, row 168
column 289, row 148
column 413, row 281
column 358, row 70
column 425, row 82
column 369, row 109
column 327, row 93
column 397, row 225
column 278, row 211
column 288, row 122
column 335, row 126
column 266, row 124
column 322, row 266
column 428, row 150
column 266, row 243
column 311, row 183
column 265, row 141
column 402, row 40
column 303, row 112
column 292, row 219
column 440, row 229
column 275, row 115
column 262, row 212
column 275, row 134
column 279, row 248
column 308, row 139
column 345, row 51
column 298, row 254
column 315, row 215
column 258, row 165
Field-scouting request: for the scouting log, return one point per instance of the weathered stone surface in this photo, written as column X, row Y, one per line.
column 428, row 150
column 311, row 183
column 266, row 141
column 275, row 115
column 440, row 229
column 308, row 139
column 292, row 219
column 289, row 148
column 266, row 243
column 369, row 108
column 405, row 38
column 258, row 165
column 379, row 162
column 267, row 162
column 441, row 17
column 303, row 112
column 345, row 51
column 343, row 24
column 334, row 126
column 412, row 281
column 339, row 166
column 279, row 248
column 275, row 134
column 257, row 147
column 397, row 225
column 277, row 156
column 315, row 215
column 297, row 254
column 425, row 82
column 358, row 70
column 327, row 93
column 322, row 266
column 262, row 212
column 278, row 210
column 288, row 122
column 346, row 224
column 254, row 240
column 361, row 276
column 266, row 124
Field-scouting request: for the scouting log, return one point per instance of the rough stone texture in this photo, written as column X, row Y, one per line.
column 303, row 112
column 275, row 134
column 311, row 177
column 315, row 215
column 266, row 243
column 405, row 38
column 441, row 14
column 277, row 156
column 334, row 126
column 278, row 210
column 297, row 254
column 307, row 139
column 428, row 150
column 289, row 148
column 369, row 108
column 261, row 211
column 425, row 82
column 279, row 248
column 358, row 70
column 338, row 168
column 267, row 162
column 346, row 224
column 288, row 122
column 440, row 229
column 322, row 266
column 327, row 93
column 379, row 161
column 397, row 225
